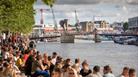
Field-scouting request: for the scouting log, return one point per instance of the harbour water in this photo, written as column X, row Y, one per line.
column 104, row 53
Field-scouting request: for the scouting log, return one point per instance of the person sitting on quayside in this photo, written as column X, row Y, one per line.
column 132, row 72
column 125, row 72
column 85, row 71
column 38, row 68
column 57, row 72
column 107, row 71
column 96, row 71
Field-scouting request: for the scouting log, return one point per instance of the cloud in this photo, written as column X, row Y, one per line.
column 132, row 2
column 111, row 10
column 78, row 1
column 74, row 2
column 124, row 8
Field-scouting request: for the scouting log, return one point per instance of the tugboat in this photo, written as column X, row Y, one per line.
column 119, row 40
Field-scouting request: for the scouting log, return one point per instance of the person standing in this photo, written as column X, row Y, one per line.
column 54, row 58
column 28, row 63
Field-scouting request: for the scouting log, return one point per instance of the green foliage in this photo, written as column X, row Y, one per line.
column 125, row 26
column 49, row 2
column 18, row 15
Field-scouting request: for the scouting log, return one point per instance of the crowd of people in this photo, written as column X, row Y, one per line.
column 18, row 58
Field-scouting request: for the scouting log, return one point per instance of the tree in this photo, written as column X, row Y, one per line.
column 49, row 2
column 125, row 26
column 18, row 15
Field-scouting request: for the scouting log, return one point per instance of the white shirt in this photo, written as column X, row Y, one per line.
column 4, row 36
column 96, row 75
column 54, row 61
column 6, row 55
column 16, row 58
column 109, row 75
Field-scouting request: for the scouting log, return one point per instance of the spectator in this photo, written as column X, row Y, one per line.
column 76, row 66
column 96, row 72
column 38, row 68
column 25, row 56
column 20, row 62
column 54, row 58
column 125, row 72
column 57, row 73
column 28, row 63
column 85, row 71
column 107, row 71
column 72, row 73
column 132, row 72
column 46, row 63
column 67, row 63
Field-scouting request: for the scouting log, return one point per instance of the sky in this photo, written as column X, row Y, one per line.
column 87, row 10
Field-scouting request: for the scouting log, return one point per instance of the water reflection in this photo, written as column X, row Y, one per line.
column 101, row 54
